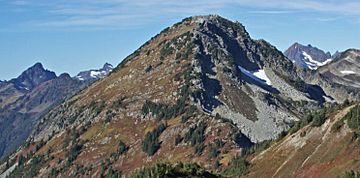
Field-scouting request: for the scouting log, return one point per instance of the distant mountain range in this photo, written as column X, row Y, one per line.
column 24, row 99
column 308, row 57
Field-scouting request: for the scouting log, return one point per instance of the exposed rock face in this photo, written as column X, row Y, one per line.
column 308, row 57
column 95, row 74
column 227, row 57
column 341, row 77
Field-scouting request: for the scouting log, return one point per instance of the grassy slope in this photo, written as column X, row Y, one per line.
column 322, row 152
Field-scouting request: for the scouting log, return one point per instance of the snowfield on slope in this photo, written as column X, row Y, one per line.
column 347, row 72
column 95, row 74
column 313, row 64
column 258, row 75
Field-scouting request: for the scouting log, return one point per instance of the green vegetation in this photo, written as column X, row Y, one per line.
column 178, row 139
column 300, row 85
column 188, row 114
column 238, row 167
column 109, row 115
column 179, row 43
column 97, row 107
column 167, row 170
column 111, row 173
column 195, row 136
column 167, row 49
column 352, row 174
column 315, row 118
column 163, row 111
column 122, row 148
column 318, row 118
column 30, row 170
column 148, row 68
column 258, row 147
column 353, row 121
column 119, row 104
column 302, row 123
column 353, row 118
column 199, row 148
column 214, row 148
column 217, row 164
column 337, row 125
column 107, row 170
column 74, row 152
column 151, row 143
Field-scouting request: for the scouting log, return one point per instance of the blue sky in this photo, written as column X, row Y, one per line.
column 73, row 35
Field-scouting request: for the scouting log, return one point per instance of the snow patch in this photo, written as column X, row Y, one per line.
column 262, row 75
column 258, row 75
column 25, row 88
column 79, row 78
column 95, row 74
column 313, row 64
column 346, row 72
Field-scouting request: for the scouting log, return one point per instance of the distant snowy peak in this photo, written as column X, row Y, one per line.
column 307, row 56
column 95, row 74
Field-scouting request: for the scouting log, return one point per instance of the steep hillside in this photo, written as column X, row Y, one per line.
column 330, row 149
column 200, row 91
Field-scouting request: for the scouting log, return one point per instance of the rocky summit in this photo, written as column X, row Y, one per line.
column 200, row 99
column 307, row 57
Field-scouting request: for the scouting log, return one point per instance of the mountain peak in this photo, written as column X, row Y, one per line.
column 64, row 75
column 33, row 76
column 38, row 65
column 107, row 66
column 207, row 17
column 307, row 56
